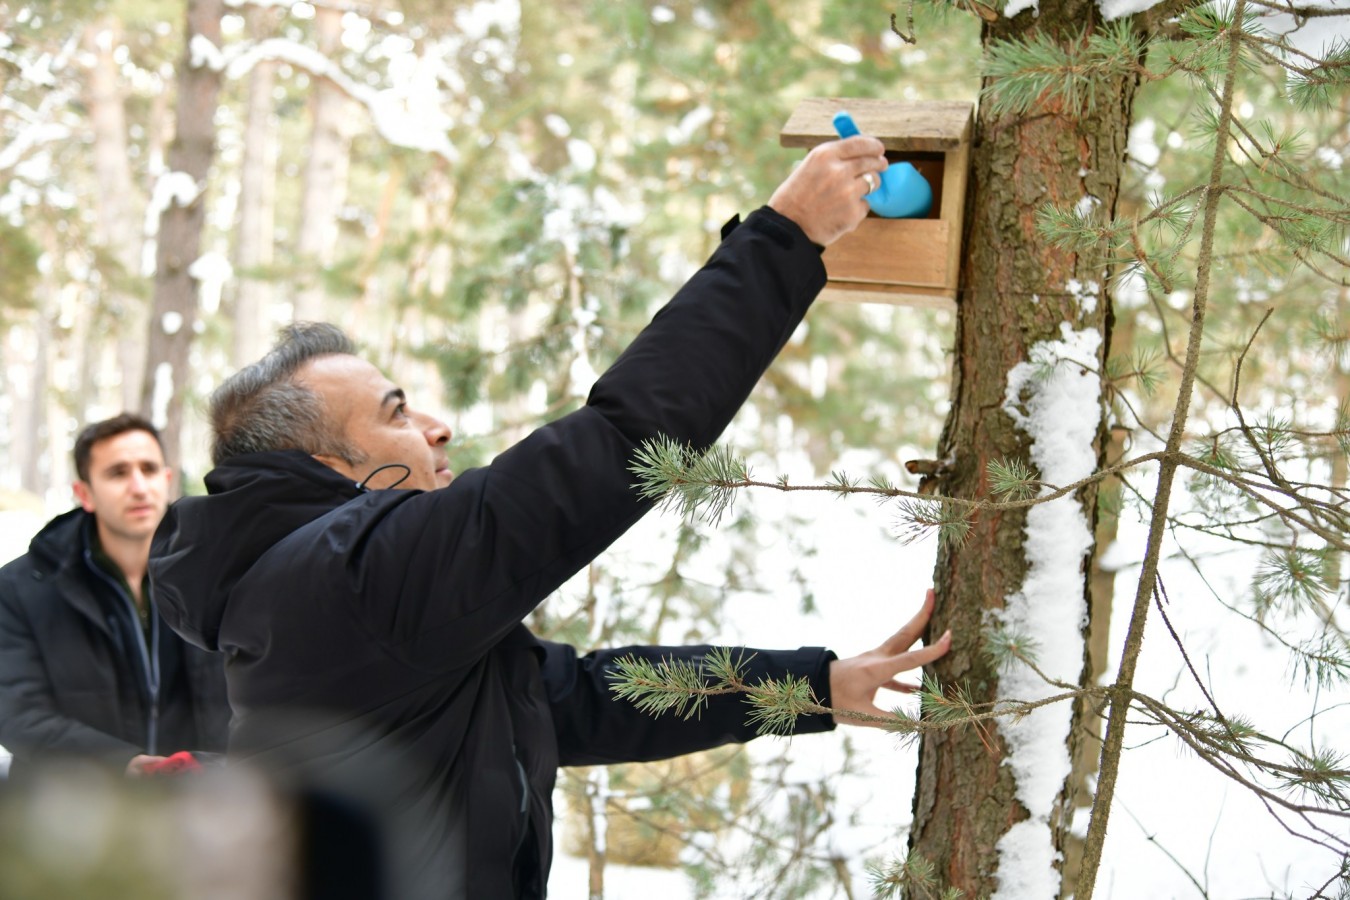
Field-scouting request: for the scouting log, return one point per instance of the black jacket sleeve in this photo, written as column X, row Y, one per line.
column 31, row 721
column 470, row 561
column 595, row 727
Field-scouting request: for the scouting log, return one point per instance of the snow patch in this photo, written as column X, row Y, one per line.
column 1114, row 9
column 39, row 72
column 844, row 53
column 1016, row 6
column 211, row 270
column 159, row 407
column 172, row 189
column 692, row 122
column 204, row 54
column 211, row 266
column 581, row 155
column 1055, row 398
column 557, row 125
column 1033, row 874
column 1083, row 293
column 27, row 139
column 1142, row 145
column 409, row 115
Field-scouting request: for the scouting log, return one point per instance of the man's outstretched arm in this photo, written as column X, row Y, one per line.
column 594, row 726
column 499, row 539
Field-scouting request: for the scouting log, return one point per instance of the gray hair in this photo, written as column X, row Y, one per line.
column 262, row 407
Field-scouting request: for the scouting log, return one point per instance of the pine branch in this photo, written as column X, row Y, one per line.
column 1119, row 706
column 1039, row 73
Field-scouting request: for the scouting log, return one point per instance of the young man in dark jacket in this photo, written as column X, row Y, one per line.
column 375, row 637
column 87, row 667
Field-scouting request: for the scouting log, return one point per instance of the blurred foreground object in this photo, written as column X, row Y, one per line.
column 79, row 832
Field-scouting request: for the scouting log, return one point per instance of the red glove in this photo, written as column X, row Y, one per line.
column 180, row 763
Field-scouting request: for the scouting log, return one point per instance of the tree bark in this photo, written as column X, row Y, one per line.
column 257, row 201
column 1013, row 296
column 173, row 316
column 325, row 174
column 116, row 203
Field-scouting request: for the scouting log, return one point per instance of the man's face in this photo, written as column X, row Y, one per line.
column 128, row 485
column 373, row 414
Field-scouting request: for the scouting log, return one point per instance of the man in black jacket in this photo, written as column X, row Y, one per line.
column 87, row 667
column 375, row 637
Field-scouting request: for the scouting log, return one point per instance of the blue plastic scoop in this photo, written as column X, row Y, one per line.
column 903, row 193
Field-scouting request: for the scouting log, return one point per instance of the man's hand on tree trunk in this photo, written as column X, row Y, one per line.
column 855, row 681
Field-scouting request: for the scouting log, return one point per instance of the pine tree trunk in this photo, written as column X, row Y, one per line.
column 33, row 437
column 325, row 174
column 173, row 316
column 257, row 201
column 117, row 226
column 1014, row 295
column 1086, row 741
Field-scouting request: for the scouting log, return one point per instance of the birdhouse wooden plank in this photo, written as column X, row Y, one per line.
column 915, row 262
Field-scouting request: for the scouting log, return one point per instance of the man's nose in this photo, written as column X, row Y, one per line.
column 138, row 482
column 437, row 432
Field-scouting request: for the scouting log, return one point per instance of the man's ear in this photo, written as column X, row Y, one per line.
column 337, row 464
column 83, row 494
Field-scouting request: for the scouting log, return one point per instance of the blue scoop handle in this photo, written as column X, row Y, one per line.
column 902, row 192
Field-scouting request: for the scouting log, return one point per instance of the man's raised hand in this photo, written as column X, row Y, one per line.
column 824, row 195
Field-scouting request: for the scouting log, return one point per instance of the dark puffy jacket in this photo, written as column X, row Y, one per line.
column 375, row 638
column 76, row 677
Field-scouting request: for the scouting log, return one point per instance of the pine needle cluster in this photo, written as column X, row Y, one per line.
column 913, row 877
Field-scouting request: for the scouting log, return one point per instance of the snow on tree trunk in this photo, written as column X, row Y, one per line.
column 325, row 173
column 1019, row 292
column 179, row 195
column 257, row 201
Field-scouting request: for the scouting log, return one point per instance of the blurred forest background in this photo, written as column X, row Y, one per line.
column 492, row 198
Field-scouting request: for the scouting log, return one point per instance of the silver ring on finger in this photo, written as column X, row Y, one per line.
column 870, row 180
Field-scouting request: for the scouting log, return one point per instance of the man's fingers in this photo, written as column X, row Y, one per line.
column 864, row 165
column 860, row 145
column 913, row 659
column 903, row 687
column 912, row 630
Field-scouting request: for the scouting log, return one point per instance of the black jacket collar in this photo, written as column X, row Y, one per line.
column 206, row 544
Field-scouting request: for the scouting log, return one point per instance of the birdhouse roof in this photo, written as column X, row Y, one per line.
column 929, row 125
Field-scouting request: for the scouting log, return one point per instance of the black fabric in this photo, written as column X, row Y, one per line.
column 374, row 638
column 72, row 679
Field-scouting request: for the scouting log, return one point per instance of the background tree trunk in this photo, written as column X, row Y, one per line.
column 173, row 316
column 1013, row 296
column 257, row 201
column 116, row 204
column 325, row 174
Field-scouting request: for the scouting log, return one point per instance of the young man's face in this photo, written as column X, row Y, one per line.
column 373, row 414
column 128, row 485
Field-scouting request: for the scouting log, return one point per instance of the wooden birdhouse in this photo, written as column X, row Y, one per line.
column 912, row 262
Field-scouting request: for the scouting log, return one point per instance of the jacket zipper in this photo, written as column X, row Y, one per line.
column 149, row 655
column 524, row 801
